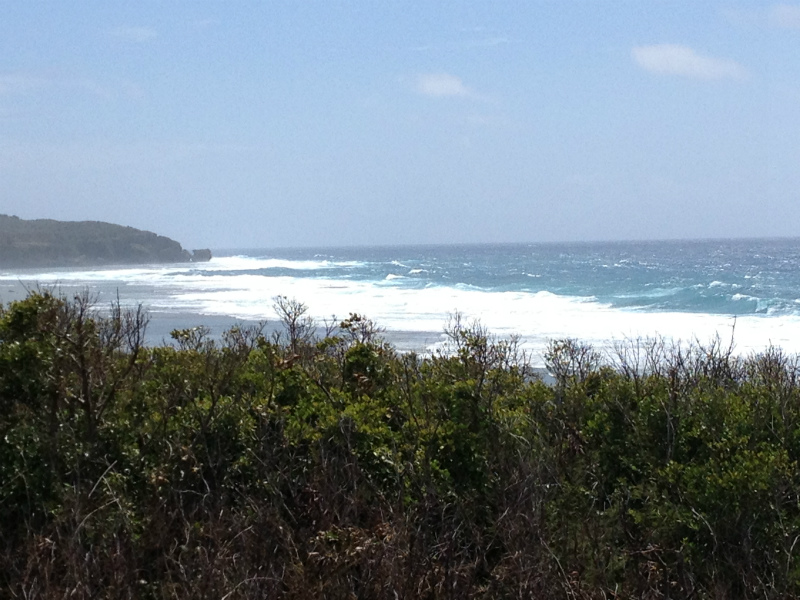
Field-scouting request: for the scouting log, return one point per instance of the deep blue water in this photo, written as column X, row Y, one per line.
column 733, row 277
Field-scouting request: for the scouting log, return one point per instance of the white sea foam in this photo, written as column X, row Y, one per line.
column 538, row 317
column 96, row 275
column 248, row 263
column 653, row 293
column 176, row 271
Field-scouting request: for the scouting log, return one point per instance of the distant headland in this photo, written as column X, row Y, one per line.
column 50, row 243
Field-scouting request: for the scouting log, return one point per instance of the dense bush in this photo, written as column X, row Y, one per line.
column 304, row 466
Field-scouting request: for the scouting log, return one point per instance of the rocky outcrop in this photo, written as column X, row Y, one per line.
column 201, row 255
column 46, row 243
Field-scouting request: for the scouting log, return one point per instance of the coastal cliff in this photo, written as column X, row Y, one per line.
column 50, row 243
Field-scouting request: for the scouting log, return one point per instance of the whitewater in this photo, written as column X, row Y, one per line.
column 600, row 293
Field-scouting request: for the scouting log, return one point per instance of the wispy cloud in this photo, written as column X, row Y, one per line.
column 14, row 83
column 776, row 16
column 441, row 85
column 675, row 59
column 784, row 16
column 486, row 42
column 134, row 34
column 202, row 24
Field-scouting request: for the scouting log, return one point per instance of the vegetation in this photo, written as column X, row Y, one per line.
column 46, row 243
column 308, row 465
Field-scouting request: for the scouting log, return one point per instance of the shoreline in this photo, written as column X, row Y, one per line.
column 413, row 319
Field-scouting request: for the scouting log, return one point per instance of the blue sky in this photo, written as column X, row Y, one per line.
column 257, row 124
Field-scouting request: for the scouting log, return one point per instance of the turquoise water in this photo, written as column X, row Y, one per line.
column 727, row 276
column 599, row 292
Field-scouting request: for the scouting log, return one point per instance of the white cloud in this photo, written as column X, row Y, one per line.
column 675, row 59
column 442, row 85
column 134, row 34
column 784, row 16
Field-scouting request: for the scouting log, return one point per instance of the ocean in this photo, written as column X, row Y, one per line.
column 600, row 293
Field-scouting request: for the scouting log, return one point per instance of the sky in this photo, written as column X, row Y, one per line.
column 254, row 124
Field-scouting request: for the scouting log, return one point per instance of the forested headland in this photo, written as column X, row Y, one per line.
column 50, row 243
column 319, row 462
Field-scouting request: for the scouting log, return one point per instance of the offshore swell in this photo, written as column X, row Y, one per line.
column 596, row 292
